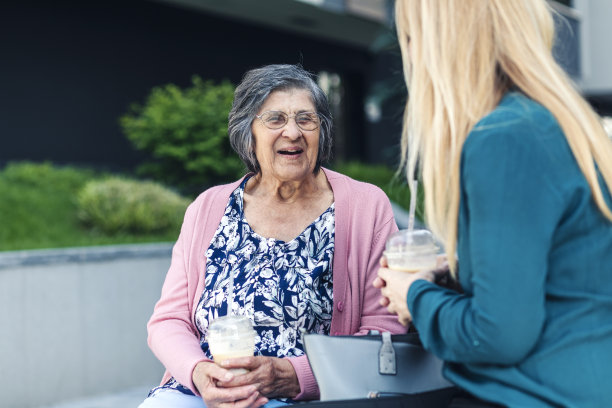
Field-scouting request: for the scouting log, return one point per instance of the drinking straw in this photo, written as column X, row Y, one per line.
column 412, row 185
column 230, row 295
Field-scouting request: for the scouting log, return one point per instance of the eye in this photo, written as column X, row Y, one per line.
column 306, row 119
column 274, row 118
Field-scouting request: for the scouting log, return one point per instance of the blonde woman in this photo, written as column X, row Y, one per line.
column 517, row 171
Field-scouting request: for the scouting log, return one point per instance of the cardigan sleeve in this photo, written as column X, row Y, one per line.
column 172, row 336
column 510, row 209
column 373, row 315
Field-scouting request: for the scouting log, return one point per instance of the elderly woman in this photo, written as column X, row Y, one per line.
column 302, row 243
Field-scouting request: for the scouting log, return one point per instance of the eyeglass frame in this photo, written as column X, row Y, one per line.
column 289, row 117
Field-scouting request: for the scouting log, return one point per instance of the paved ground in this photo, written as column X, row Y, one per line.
column 127, row 399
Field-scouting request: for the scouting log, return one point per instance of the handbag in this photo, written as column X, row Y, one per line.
column 371, row 366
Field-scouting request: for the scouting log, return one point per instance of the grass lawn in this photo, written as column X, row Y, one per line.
column 38, row 206
column 38, row 210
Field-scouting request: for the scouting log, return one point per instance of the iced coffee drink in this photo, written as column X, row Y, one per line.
column 411, row 250
column 231, row 337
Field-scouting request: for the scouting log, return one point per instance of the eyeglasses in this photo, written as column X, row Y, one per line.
column 278, row 119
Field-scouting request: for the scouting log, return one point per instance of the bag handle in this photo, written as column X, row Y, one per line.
column 386, row 356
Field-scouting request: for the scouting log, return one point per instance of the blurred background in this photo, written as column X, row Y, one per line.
column 105, row 106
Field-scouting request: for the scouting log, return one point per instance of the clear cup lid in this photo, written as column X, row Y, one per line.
column 411, row 241
column 228, row 326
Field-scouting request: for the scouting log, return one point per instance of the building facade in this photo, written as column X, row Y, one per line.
column 70, row 68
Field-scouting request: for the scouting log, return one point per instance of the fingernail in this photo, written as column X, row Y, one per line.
column 228, row 376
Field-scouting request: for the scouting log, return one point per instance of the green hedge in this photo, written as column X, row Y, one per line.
column 38, row 209
column 117, row 205
column 36, row 205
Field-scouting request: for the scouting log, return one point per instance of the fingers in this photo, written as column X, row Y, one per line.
column 383, row 262
column 250, row 363
column 219, row 373
column 381, row 284
column 260, row 401
column 405, row 321
column 236, row 397
column 255, row 399
column 441, row 260
column 205, row 375
column 378, row 283
column 384, row 273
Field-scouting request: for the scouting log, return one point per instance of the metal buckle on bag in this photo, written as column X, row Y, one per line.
column 386, row 356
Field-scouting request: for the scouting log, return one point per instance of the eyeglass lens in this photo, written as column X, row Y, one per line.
column 277, row 119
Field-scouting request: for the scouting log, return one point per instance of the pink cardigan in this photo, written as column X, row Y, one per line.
column 363, row 220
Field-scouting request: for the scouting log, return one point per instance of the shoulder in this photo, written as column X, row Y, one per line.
column 344, row 186
column 515, row 108
column 362, row 205
column 515, row 112
column 518, row 126
column 212, row 198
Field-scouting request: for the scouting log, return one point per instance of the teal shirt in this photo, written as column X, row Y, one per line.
column 534, row 326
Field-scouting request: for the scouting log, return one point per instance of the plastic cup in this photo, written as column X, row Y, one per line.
column 411, row 250
column 231, row 337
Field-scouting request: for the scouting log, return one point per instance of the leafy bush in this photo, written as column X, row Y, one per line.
column 394, row 185
column 185, row 133
column 45, row 174
column 120, row 205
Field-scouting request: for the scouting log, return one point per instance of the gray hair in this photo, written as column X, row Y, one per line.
column 250, row 95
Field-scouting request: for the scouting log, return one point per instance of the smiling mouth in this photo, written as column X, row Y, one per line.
column 291, row 152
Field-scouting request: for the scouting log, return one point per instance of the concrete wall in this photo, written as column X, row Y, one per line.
column 73, row 321
column 595, row 33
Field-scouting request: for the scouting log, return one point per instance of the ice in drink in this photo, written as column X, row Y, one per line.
column 231, row 337
column 411, row 250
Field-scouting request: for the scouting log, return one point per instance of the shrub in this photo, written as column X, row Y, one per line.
column 117, row 205
column 45, row 175
column 185, row 133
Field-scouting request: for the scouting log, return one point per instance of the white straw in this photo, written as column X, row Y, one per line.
column 412, row 185
column 230, row 295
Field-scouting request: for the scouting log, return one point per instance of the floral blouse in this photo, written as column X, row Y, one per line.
column 282, row 286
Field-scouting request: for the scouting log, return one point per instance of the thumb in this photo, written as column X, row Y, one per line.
column 218, row 373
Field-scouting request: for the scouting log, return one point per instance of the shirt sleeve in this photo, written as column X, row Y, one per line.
column 375, row 316
column 510, row 209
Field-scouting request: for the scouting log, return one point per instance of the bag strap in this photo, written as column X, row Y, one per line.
column 386, row 356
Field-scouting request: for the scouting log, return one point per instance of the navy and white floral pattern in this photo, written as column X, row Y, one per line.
column 282, row 286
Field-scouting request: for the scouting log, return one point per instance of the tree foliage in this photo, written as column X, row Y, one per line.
column 184, row 132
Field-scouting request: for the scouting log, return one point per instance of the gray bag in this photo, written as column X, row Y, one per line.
column 354, row 367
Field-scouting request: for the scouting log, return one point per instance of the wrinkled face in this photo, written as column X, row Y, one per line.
column 288, row 153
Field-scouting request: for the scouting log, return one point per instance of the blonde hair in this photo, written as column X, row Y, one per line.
column 460, row 57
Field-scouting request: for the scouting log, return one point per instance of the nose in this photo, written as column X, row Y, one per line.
column 292, row 130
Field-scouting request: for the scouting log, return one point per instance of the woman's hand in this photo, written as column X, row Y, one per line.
column 274, row 377
column 394, row 286
column 207, row 376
